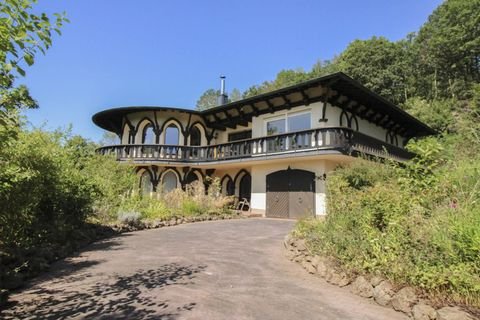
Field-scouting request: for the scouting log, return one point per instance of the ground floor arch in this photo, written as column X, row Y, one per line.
column 290, row 194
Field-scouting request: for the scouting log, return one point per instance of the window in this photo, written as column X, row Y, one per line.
column 146, row 183
column 298, row 122
column 276, row 127
column 241, row 135
column 289, row 123
column 195, row 137
column 172, row 135
column 148, row 135
column 169, row 181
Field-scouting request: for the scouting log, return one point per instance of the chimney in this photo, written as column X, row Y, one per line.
column 223, row 97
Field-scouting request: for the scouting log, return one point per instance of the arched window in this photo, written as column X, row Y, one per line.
column 172, row 135
column 228, row 186
column 169, row 181
column 146, row 186
column 245, row 187
column 148, row 135
column 195, row 137
column 230, row 190
column 191, row 177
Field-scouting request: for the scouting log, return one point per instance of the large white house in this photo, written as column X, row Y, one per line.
column 274, row 149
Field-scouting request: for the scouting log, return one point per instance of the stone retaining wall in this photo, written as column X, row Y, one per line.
column 402, row 299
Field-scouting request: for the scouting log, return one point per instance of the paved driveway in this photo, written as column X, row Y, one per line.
column 232, row 269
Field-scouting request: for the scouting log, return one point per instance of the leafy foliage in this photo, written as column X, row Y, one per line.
column 415, row 224
column 193, row 201
column 51, row 183
column 209, row 99
column 23, row 35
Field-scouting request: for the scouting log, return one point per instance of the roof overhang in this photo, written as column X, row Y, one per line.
column 113, row 119
column 338, row 89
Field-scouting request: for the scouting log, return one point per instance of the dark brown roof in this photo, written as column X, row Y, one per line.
column 337, row 89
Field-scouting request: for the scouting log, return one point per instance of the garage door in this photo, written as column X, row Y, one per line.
column 290, row 194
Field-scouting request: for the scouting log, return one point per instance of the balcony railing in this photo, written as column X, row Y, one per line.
column 343, row 140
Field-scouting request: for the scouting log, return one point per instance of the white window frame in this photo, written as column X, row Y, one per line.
column 285, row 116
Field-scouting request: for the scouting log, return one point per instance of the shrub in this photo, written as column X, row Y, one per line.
column 193, row 201
column 416, row 223
column 130, row 217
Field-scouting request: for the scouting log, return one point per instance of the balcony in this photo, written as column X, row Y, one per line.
column 314, row 141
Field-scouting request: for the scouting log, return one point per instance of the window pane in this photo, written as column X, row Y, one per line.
column 145, row 184
column 148, row 135
column 169, row 181
column 195, row 137
column 276, row 127
column 171, row 135
column 299, row 122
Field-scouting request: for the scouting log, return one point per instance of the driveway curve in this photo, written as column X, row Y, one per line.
column 233, row 269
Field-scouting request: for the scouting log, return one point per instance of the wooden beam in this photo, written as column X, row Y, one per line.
column 389, row 125
column 351, row 104
column 270, row 106
column 254, row 109
column 287, row 102
column 305, row 97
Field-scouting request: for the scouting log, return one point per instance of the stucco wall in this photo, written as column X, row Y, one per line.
column 332, row 114
column 222, row 136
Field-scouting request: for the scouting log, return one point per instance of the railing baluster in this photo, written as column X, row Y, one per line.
column 343, row 139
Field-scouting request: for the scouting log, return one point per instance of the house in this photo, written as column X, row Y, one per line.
column 273, row 149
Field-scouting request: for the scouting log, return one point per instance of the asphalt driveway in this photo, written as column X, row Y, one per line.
column 233, row 269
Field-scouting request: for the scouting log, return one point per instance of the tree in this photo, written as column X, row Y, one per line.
column 447, row 50
column 109, row 138
column 22, row 35
column 325, row 67
column 284, row 78
column 235, row 95
column 380, row 65
column 208, row 99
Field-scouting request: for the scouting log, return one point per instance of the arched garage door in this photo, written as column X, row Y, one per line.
column 290, row 194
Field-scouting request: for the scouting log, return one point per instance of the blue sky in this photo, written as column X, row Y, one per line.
column 155, row 52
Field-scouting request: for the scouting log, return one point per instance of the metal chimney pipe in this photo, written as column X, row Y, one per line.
column 222, row 85
column 222, row 98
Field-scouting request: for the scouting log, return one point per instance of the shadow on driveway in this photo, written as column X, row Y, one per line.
column 132, row 296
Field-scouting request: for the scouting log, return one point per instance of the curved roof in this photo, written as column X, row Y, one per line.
column 350, row 96
column 112, row 119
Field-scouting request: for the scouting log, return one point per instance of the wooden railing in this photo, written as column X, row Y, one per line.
column 341, row 139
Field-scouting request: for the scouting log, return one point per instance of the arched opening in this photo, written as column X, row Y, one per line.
column 146, row 185
column 191, row 177
column 290, row 193
column 245, row 187
column 169, row 181
column 195, row 140
column 148, row 136
column 228, row 186
column 195, row 136
column 172, row 135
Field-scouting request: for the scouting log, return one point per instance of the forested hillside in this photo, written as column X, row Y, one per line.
column 417, row 223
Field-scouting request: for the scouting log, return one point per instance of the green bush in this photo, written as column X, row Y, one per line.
column 193, row 201
column 52, row 183
column 416, row 223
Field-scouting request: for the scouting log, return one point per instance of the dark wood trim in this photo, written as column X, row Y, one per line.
column 238, row 175
column 180, row 126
